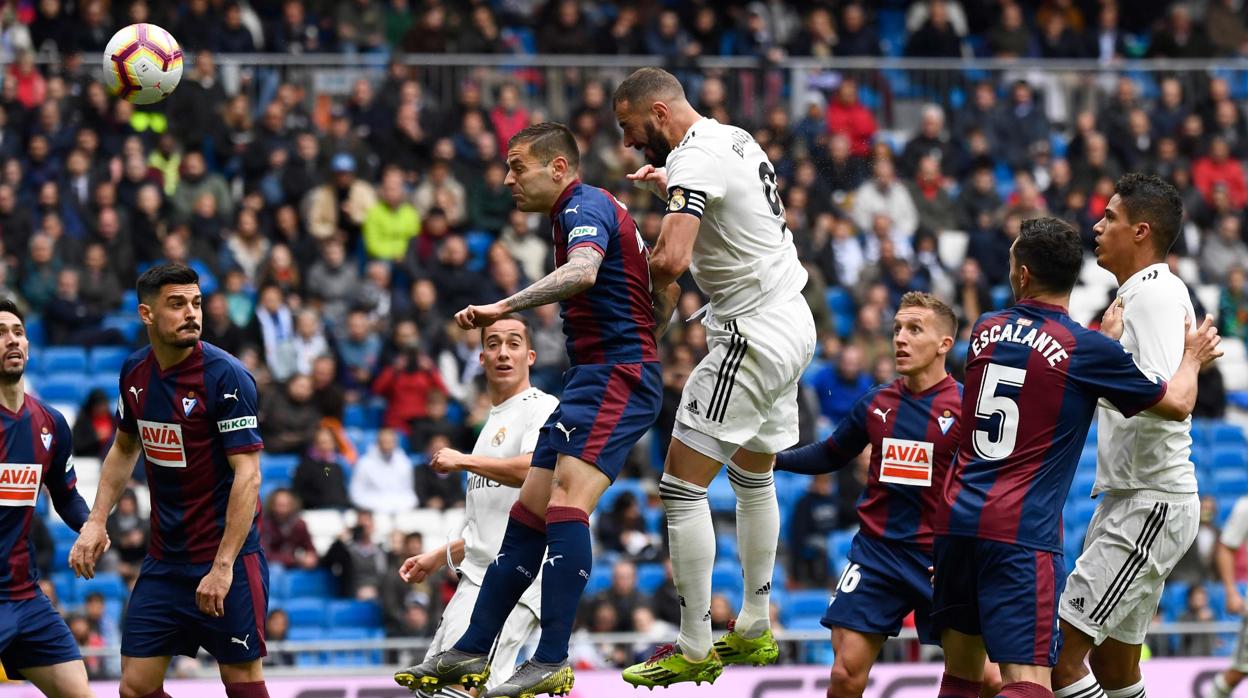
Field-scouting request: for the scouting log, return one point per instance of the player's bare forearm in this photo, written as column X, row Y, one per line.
column 673, row 251
column 507, row 471
column 241, row 509
column 1224, row 563
column 578, row 274
column 1180, row 398
column 664, row 305
column 114, row 473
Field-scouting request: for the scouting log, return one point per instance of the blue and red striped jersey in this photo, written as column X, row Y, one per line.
column 189, row 419
column 1033, row 377
column 913, row 437
column 613, row 321
column 35, row 451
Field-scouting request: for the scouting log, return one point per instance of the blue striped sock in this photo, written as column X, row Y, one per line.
column 506, row 580
column 564, row 576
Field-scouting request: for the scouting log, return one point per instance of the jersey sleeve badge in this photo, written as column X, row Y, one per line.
column 676, row 201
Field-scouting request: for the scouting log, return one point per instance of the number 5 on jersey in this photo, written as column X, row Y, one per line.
column 990, row 404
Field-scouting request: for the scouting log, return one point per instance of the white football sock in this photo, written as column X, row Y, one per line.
column 1087, row 687
column 691, row 535
column 758, row 532
column 1135, row 691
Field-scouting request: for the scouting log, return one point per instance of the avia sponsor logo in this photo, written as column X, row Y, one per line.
column 228, row 425
column 163, row 444
column 19, row 484
column 906, row 462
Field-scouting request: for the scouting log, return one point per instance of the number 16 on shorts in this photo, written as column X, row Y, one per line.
column 849, row 579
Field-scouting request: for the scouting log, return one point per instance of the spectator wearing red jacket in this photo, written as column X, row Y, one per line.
column 1219, row 169
column 405, row 385
column 283, row 534
column 847, row 116
column 508, row 116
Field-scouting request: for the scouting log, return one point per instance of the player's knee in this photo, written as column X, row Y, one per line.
column 129, row 689
column 1233, row 677
column 846, row 682
column 1115, row 671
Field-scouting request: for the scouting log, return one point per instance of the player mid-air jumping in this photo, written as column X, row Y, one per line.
column 611, row 396
column 190, row 409
column 496, row 468
column 35, row 643
column 725, row 224
column 1033, row 378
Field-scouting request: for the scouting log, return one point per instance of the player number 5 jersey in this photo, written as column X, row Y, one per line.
column 744, row 257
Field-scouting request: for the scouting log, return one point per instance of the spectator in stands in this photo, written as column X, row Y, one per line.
column 277, row 629
column 622, row 596
column 219, row 329
column 194, row 181
column 489, row 201
column 847, row 116
column 438, row 423
column 283, row 534
column 279, row 269
column 884, row 195
column 340, row 204
column 930, row 141
column 1019, row 124
column 356, row 561
column 128, row 532
column 978, row 202
column 359, row 348
column 383, row 479
column 818, row 36
column 94, row 426
column 320, row 479
column 99, row 284
column 813, row 518
column 276, row 325
column 39, row 276
column 1223, row 250
column 289, row 418
column 936, row 210
column 69, row 320
column 972, row 296
column 525, row 247
column 1233, row 306
column 1219, row 169
column 329, row 396
column 309, row 342
column 333, row 280
column 106, row 626
column 437, row 488
column 391, row 222
column 87, row 639
column 406, row 382
column 936, row 38
column 1197, row 610
column 398, row 596
column 360, row 25
column 1010, row 36
column 840, row 386
column 1180, row 38
column 623, row 529
column 1224, row 26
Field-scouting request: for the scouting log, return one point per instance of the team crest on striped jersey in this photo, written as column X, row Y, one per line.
column 945, row 421
column 46, row 437
column 19, row 484
column 188, row 403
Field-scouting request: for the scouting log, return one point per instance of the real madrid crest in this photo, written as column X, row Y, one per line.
column 499, row 437
column 677, row 200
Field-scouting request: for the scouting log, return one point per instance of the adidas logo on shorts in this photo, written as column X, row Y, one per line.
column 1076, row 603
column 692, row 407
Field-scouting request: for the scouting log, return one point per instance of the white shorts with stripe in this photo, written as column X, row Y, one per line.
column 521, row 625
column 1133, row 543
column 744, row 392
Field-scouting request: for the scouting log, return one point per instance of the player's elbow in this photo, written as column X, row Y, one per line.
column 1175, row 408
column 669, row 266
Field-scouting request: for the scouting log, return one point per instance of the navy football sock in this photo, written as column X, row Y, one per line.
column 506, row 580
column 564, row 576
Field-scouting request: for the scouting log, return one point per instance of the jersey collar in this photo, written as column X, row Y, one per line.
column 940, row 385
column 1033, row 303
column 511, row 400
column 1138, row 277
column 563, row 197
column 198, row 350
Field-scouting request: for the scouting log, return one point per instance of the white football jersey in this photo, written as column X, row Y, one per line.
column 744, row 257
column 1147, row 452
column 511, row 430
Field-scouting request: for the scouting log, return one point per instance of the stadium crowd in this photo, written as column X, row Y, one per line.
column 334, row 245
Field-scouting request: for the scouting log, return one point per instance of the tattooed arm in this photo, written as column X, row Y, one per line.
column 664, row 304
column 576, row 275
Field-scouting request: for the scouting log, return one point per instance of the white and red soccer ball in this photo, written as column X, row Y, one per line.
column 142, row 64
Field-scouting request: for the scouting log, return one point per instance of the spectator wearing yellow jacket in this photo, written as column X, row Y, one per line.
column 391, row 222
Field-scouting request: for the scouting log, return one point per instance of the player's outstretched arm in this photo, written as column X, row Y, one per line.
column 577, row 275
column 812, row 459
column 507, row 471
column 114, row 472
column 418, row 568
column 664, row 306
column 673, row 251
column 1200, row 348
column 652, row 179
column 210, row 596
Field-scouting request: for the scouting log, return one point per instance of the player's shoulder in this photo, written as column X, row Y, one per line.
column 1159, row 287
column 587, row 205
column 875, row 391
column 701, row 141
column 536, row 397
column 136, row 357
column 38, row 404
column 220, row 364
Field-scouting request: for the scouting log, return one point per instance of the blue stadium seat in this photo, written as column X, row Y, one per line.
column 66, row 588
column 34, row 330
column 125, row 323
column 310, row 583
column 839, row 543
column 599, row 578
column 619, row 487
column 1001, row 296
column 354, row 657
column 107, row 360
column 654, row 519
column 279, row 466
column 129, row 301
column 69, row 388
column 61, row 532
column 110, row 584
column 279, row 583
column 106, row 382
column 64, row 360
column 268, row 487
column 1173, row 599
column 306, row 612
column 650, row 577
column 1232, row 480
column 354, row 614
column 1079, row 513
column 355, row 416
column 1226, row 503
column 307, row 634
column 726, row 547
column 1228, row 435
column 726, row 576
column 806, row 603
column 721, row 496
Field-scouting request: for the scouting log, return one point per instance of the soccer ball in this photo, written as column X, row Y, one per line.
column 142, row 64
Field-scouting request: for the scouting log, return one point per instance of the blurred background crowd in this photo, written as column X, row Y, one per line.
column 338, row 225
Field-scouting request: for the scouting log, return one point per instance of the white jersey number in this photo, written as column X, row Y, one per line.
column 770, row 190
column 990, row 404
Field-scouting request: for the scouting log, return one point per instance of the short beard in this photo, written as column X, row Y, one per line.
column 178, row 342
column 656, row 146
column 8, row 377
